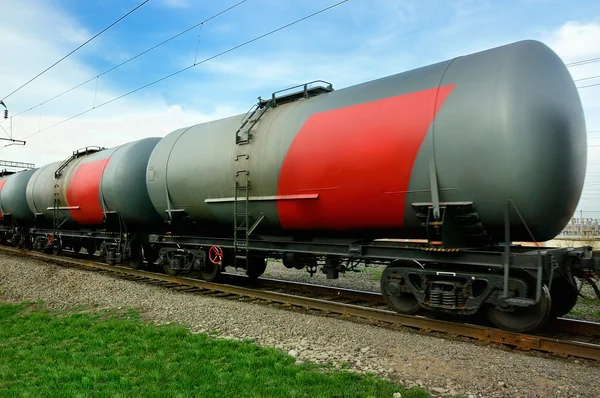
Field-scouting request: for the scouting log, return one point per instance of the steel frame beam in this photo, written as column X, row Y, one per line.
column 519, row 257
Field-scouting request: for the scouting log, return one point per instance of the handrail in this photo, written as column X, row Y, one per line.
column 305, row 85
column 525, row 224
column 538, row 294
column 328, row 87
column 79, row 152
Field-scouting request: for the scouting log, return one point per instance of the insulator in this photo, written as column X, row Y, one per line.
column 6, row 113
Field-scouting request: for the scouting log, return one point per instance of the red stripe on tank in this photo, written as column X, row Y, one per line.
column 2, row 182
column 353, row 158
column 84, row 191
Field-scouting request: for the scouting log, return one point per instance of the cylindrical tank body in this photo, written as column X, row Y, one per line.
column 498, row 125
column 91, row 184
column 12, row 196
column 3, row 179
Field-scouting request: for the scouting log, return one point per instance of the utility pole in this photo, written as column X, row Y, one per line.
column 12, row 140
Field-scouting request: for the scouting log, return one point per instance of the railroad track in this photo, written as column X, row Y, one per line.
column 565, row 337
column 585, row 330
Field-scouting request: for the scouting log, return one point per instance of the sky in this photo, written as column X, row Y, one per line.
column 357, row 41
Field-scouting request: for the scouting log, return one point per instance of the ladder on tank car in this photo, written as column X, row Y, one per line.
column 241, row 214
column 243, row 136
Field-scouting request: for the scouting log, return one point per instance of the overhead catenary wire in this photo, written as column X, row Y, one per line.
column 133, row 58
column 587, row 78
column 589, row 85
column 200, row 24
column 8, row 135
column 72, row 52
column 192, row 66
column 583, row 62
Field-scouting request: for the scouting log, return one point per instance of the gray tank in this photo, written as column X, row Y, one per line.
column 93, row 182
column 12, row 197
column 498, row 125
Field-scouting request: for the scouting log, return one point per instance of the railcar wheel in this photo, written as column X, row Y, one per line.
column 210, row 272
column 136, row 261
column 564, row 297
column 91, row 250
column 256, row 267
column 168, row 269
column 57, row 248
column 76, row 248
column 151, row 255
column 391, row 283
column 523, row 319
column 28, row 242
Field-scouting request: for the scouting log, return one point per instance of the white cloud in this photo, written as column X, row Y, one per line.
column 27, row 49
column 100, row 130
column 576, row 40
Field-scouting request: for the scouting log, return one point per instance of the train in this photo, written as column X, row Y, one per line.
column 433, row 172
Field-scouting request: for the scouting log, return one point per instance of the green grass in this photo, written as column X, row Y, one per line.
column 86, row 353
column 374, row 273
column 586, row 307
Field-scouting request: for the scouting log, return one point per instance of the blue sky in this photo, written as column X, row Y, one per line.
column 355, row 42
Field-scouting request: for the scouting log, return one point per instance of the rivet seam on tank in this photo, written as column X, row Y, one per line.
column 2, row 182
column 100, row 189
column 168, row 196
column 38, row 173
column 432, row 163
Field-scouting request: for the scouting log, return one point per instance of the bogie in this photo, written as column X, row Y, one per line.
column 177, row 261
column 408, row 289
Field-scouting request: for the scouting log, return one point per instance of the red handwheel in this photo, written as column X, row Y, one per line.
column 215, row 254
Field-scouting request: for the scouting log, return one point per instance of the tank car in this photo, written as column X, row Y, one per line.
column 365, row 161
column 15, row 218
column 468, row 154
column 93, row 199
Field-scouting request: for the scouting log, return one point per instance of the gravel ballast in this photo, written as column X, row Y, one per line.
column 437, row 364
